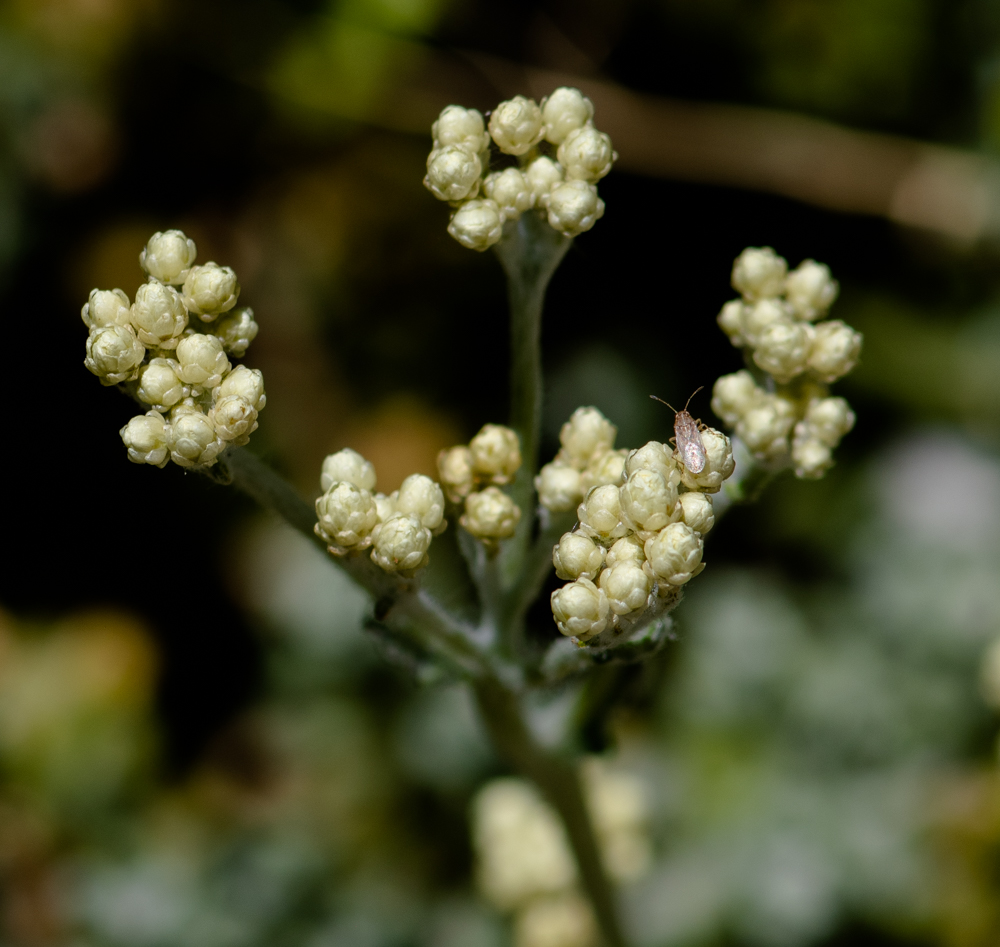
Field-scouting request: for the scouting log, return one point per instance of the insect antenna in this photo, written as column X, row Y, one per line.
column 667, row 403
column 693, row 393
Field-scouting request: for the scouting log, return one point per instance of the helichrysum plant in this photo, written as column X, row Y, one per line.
column 623, row 528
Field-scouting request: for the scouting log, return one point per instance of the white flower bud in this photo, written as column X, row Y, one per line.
column 829, row 419
column 760, row 316
column 654, row 456
column 782, row 349
column 421, row 497
column 192, row 439
column 346, row 516
column 759, row 273
column 559, row 487
column 516, row 125
column 626, row 586
column 210, row 290
column 574, row 207
column 145, row 436
column 835, row 350
column 236, row 331
column 201, row 360
column 114, row 354
column 585, row 434
column 496, row 453
column 586, row 154
column 490, row 515
column 696, row 511
column 510, row 191
column 477, row 224
column 561, row 920
column 106, row 307
column 455, row 472
column 580, row 609
column 674, row 554
column 168, row 256
column 158, row 315
column 730, row 319
column 159, row 384
column 604, row 467
column 247, row 383
column 626, row 549
column 734, row 395
column 600, row 514
column 235, row 419
column 766, row 426
column 347, row 466
column 542, row 175
column 719, row 463
column 453, row 173
column 462, row 127
column 386, row 505
column 812, row 458
column 647, row 501
column 401, row 544
column 565, row 111
column 810, row 289
column 576, row 556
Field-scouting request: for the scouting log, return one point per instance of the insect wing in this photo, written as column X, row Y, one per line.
column 689, row 444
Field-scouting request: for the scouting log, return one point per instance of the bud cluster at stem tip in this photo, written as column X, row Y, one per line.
column 560, row 157
column 171, row 350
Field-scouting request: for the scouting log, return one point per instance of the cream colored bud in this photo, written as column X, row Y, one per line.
column 627, row 587
column 562, row 920
column 106, row 307
column 114, row 354
column 421, row 497
column 577, row 555
column 586, row 154
column 248, row 383
column 462, row 127
column 236, row 331
column 565, row 111
column 158, row 315
column 719, row 463
column 696, row 511
column 145, row 436
column 159, row 384
column 235, row 419
column 766, row 426
column 782, row 349
column 453, row 173
column 192, row 439
column 210, row 290
column 760, row 316
column 516, row 125
column 734, row 395
column 835, row 350
column 600, row 514
column 812, row 458
column 559, row 487
column 829, row 419
column 201, row 360
column 168, row 256
column 674, row 554
column 401, row 544
column 654, row 456
column 347, row 466
column 730, row 319
column 542, row 175
column 626, row 549
column 346, row 516
column 810, row 290
column 604, row 467
column 477, row 224
column 647, row 501
column 496, row 453
column 574, row 207
column 490, row 515
column 510, row 191
column 581, row 609
column 759, row 273
column 455, row 472
column 386, row 505
column 586, row 434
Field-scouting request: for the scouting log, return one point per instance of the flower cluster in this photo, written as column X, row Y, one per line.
column 792, row 420
column 559, row 154
column 398, row 528
column 170, row 349
column 641, row 522
column 472, row 475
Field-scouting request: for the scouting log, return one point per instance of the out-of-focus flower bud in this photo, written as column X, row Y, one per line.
column 586, row 154
column 510, row 191
column 490, row 515
column 421, row 497
column 810, row 290
column 542, row 175
column 759, row 273
column 462, row 127
column 559, row 487
column 835, row 350
column 734, row 395
column 604, row 467
column 477, row 224
column 496, row 453
column 236, row 331
column 455, row 472
column 565, row 111
column 782, row 349
column 586, row 433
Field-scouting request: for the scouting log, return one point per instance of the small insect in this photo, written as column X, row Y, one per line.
column 687, row 436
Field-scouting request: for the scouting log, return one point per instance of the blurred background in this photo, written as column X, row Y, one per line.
column 199, row 744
